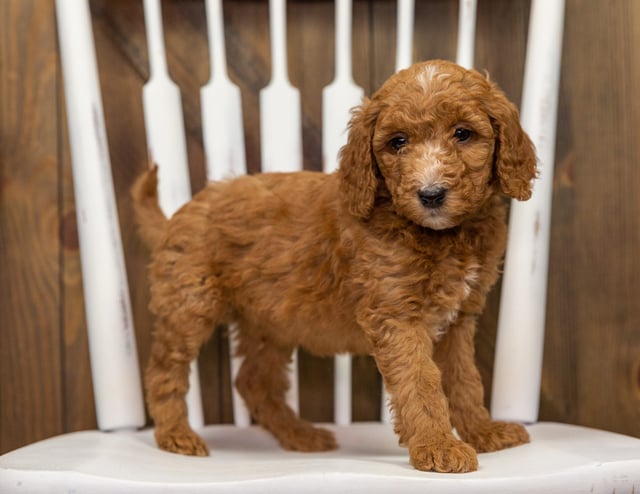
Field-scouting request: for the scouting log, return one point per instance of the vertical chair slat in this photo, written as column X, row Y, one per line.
column 338, row 98
column 166, row 144
column 404, row 34
column 466, row 33
column 280, row 114
column 112, row 344
column 223, row 138
column 221, row 102
column 342, row 389
column 164, row 126
column 521, row 322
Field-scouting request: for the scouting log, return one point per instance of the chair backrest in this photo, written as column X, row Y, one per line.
column 112, row 344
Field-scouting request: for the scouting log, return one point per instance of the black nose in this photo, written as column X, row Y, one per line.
column 433, row 197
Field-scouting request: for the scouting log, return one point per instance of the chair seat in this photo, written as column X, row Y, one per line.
column 560, row 458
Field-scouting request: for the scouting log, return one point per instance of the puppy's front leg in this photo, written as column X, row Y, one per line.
column 403, row 352
column 462, row 383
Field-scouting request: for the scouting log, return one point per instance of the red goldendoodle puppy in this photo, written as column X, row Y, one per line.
column 392, row 255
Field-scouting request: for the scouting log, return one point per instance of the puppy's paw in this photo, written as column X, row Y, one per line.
column 305, row 437
column 181, row 440
column 447, row 455
column 495, row 435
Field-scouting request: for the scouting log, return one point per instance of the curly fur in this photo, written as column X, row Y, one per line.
column 351, row 262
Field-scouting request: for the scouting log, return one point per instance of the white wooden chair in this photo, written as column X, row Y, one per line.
column 560, row 458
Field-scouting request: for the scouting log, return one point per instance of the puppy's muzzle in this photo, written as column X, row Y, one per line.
column 432, row 197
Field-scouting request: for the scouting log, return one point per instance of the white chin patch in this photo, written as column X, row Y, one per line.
column 437, row 221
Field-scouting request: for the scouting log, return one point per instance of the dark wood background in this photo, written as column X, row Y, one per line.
column 592, row 351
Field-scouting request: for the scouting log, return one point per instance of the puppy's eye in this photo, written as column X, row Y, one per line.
column 462, row 134
column 398, row 142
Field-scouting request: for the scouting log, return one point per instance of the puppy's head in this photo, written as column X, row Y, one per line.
column 441, row 140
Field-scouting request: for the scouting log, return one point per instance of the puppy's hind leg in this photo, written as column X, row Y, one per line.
column 187, row 309
column 263, row 382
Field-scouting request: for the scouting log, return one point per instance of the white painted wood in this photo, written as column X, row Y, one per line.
column 223, row 136
column 293, row 399
column 342, row 389
column 281, row 130
column 404, row 35
column 521, row 323
column 222, row 124
column 167, row 148
column 338, row 98
column 466, row 33
column 280, row 113
column 343, row 94
column 112, row 345
column 559, row 459
column 163, row 118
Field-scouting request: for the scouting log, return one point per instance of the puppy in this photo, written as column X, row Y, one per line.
column 393, row 255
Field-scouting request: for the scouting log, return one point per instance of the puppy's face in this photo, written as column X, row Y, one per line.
column 434, row 147
column 444, row 139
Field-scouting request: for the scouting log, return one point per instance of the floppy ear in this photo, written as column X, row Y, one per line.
column 357, row 171
column 515, row 157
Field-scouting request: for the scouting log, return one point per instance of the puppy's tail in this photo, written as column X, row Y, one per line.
column 148, row 215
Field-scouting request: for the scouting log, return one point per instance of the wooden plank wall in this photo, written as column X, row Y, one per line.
column 592, row 353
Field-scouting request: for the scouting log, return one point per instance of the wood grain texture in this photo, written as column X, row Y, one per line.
column 592, row 348
column 592, row 352
column 31, row 387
